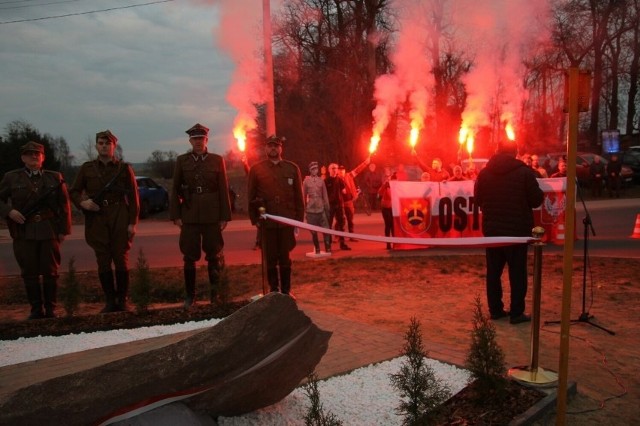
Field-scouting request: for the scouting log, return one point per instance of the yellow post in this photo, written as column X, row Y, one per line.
column 570, row 226
column 533, row 374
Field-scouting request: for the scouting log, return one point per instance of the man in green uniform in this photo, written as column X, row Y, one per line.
column 105, row 190
column 277, row 185
column 200, row 206
column 38, row 217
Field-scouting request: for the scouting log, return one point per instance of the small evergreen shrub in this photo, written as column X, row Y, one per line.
column 485, row 359
column 315, row 415
column 141, row 285
column 71, row 293
column 421, row 391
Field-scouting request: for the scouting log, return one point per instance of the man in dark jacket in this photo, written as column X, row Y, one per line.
column 105, row 190
column 276, row 184
column 200, row 206
column 38, row 216
column 506, row 191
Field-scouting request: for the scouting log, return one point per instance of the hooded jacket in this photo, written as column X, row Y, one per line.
column 506, row 191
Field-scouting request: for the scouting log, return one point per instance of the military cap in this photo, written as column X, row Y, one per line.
column 313, row 164
column 198, row 131
column 32, row 146
column 276, row 140
column 106, row 134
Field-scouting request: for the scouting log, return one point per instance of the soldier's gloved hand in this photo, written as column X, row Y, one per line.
column 88, row 204
column 131, row 231
column 223, row 224
column 178, row 223
column 16, row 216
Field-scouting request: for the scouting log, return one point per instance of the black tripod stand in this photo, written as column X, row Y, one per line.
column 588, row 226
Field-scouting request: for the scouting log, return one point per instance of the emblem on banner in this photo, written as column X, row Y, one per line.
column 415, row 215
column 553, row 207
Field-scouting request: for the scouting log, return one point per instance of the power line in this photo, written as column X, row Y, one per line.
column 39, row 4
column 85, row 13
column 14, row 1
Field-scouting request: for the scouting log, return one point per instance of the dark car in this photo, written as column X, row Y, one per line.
column 631, row 159
column 153, row 197
column 583, row 161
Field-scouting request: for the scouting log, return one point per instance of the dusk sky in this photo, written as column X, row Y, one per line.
column 146, row 73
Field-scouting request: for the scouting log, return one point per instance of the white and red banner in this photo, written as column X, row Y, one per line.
column 448, row 210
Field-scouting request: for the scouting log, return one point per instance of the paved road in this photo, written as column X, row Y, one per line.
column 613, row 221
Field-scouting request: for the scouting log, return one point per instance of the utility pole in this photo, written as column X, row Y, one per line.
column 270, row 110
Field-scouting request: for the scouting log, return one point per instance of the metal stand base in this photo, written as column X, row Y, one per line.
column 584, row 317
column 538, row 376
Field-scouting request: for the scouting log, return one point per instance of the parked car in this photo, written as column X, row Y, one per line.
column 631, row 159
column 153, row 197
column 583, row 162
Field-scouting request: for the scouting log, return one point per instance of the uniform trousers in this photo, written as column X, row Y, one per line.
column 319, row 219
column 278, row 243
column 196, row 238
column 515, row 256
column 107, row 234
column 37, row 257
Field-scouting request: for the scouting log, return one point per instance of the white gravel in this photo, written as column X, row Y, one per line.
column 365, row 396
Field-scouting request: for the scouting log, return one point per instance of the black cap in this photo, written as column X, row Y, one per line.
column 106, row 134
column 276, row 140
column 198, row 131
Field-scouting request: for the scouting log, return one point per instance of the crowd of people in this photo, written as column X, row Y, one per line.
column 36, row 204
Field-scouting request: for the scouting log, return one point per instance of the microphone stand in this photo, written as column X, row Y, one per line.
column 588, row 226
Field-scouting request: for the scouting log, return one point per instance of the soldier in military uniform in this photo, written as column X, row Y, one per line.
column 38, row 217
column 277, row 185
column 200, row 206
column 105, row 190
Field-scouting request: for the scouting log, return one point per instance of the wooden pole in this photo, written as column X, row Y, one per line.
column 570, row 226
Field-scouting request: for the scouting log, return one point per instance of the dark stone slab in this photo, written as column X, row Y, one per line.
column 251, row 359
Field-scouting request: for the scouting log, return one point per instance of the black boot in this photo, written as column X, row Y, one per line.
column 190, row 286
column 50, row 289
column 272, row 278
column 106, row 281
column 32, row 285
column 122, row 284
column 285, row 279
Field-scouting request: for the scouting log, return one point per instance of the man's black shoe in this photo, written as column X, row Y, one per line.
column 520, row 319
column 500, row 315
column 36, row 315
column 343, row 246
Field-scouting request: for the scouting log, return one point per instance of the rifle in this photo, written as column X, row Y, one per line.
column 98, row 197
column 32, row 208
column 35, row 206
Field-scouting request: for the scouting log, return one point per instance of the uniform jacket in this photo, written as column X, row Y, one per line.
column 278, row 187
column 200, row 192
column 506, row 191
column 315, row 194
column 95, row 175
column 50, row 219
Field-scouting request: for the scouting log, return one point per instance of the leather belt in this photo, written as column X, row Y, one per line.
column 39, row 217
column 201, row 190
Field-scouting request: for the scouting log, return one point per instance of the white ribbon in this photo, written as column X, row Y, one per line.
column 434, row 242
